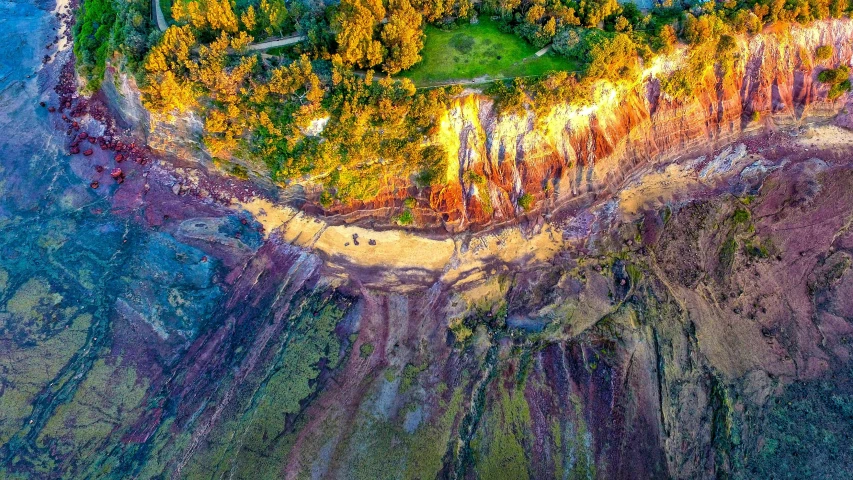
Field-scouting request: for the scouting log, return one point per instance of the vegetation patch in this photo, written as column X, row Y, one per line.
column 806, row 431
column 103, row 27
column 838, row 79
column 823, row 53
column 473, row 51
column 366, row 350
column 727, row 253
column 526, row 201
column 410, row 375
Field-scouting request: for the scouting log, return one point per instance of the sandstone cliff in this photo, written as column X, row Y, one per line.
column 581, row 152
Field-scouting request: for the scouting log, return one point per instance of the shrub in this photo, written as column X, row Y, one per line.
column 366, row 350
column 838, row 89
column 525, row 201
column 838, row 79
column 834, row 75
column 410, row 374
column 740, row 216
column 612, row 58
column 823, row 53
column 460, row 331
column 405, row 218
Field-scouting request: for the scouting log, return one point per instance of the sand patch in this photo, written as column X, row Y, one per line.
column 392, row 249
column 656, row 188
column 826, row 137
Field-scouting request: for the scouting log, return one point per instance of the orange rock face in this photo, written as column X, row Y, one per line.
column 578, row 153
column 583, row 152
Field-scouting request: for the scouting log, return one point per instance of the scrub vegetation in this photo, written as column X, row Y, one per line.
column 344, row 109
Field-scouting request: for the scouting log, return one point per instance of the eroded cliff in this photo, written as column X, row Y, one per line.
column 694, row 324
column 578, row 153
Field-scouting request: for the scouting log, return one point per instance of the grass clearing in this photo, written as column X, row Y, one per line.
column 470, row 52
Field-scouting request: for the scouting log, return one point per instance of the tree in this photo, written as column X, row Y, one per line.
column 402, row 36
column 220, row 16
column 215, row 15
column 666, row 39
column 249, row 19
column 357, row 22
column 274, row 15
column 593, row 12
column 166, row 93
column 566, row 42
column 623, row 25
column 612, row 58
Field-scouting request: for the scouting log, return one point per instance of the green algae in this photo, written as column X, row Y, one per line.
column 105, row 404
column 42, row 338
column 256, row 437
column 4, row 281
column 381, row 447
column 503, row 437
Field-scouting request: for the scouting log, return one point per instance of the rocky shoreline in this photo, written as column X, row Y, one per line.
column 689, row 321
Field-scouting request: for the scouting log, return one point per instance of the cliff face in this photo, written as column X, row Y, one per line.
column 576, row 154
column 580, row 152
column 152, row 329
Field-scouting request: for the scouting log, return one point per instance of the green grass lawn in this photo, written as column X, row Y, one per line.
column 472, row 51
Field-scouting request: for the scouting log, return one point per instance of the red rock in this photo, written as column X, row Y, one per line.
column 51, row 109
column 88, row 152
column 119, row 158
column 74, row 150
column 94, row 184
column 99, row 168
column 82, row 135
column 116, row 173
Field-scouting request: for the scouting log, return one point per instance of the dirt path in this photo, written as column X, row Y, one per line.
column 162, row 25
column 158, row 16
column 276, row 43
